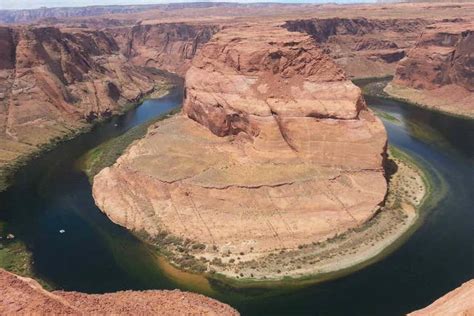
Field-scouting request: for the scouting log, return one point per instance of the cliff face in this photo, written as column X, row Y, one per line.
column 439, row 71
column 53, row 81
column 275, row 148
column 459, row 301
column 363, row 47
column 23, row 296
column 442, row 56
column 168, row 46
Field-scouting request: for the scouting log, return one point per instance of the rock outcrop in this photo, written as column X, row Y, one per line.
column 167, row 46
column 275, row 148
column 438, row 72
column 363, row 47
column 460, row 301
column 54, row 81
column 24, row 296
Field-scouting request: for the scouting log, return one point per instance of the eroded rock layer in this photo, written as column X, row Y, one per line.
column 439, row 71
column 168, row 46
column 54, row 81
column 24, row 296
column 275, row 148
column 363, row 47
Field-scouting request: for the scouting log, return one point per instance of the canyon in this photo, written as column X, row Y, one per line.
column 24, row 296
column 69, row 69
column 275, row 152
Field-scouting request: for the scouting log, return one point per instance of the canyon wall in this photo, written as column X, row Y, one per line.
column 363, row 47
column 24, row 296
column 439, row 71
column 275, row 148
column 167, row 46
column 53, row 81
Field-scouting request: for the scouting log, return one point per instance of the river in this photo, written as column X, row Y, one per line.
column 94, row 255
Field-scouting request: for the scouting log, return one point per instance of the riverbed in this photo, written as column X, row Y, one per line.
column 75, row 247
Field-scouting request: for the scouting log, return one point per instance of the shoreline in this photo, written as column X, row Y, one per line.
column 377, row 87
column 8, row 171
column 395, row 92
column 14, row 253
column 338, row 256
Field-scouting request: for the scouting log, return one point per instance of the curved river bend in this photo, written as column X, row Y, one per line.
column 94, row 255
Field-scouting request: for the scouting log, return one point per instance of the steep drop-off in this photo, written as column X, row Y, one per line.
column 54, row 81
column 24, row 296
column 439, row 71
column 275, row 148
column 363, row 47
column 168, row 46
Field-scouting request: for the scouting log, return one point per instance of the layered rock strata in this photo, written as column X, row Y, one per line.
column 24, row 296
column 459, row 301
column 54, row 81
column 167, row 46
column 363, row 47
column 275, row 148
column 439, row 71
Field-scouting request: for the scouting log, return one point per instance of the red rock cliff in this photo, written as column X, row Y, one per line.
column 54, row 80
column 439, row 71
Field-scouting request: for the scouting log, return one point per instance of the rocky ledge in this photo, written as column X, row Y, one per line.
column 274, row 149
column 24, row 296
column 459, row 301
column 438, row 72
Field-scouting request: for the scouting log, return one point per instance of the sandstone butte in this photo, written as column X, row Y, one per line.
column 274, row 148
column 24, row 296
column 438, row 71
column 459, row 302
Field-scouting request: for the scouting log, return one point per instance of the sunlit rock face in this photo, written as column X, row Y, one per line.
column 274, row 148
column 438, row 72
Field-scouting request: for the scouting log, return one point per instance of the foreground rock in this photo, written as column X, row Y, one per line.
column 275, row 149
column 439, row 72
column 24, row 296
column 457, row 302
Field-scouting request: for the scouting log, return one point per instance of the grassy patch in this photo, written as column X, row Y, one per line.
column 387, row 117
column 106, row 154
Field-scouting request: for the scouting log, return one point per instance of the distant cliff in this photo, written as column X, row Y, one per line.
column 439, row 71
column 363, row 47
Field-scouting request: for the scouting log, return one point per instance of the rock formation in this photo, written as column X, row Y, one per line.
column 54, row 81
column 363, row 47
column 438, row 72
column 460, row 301
column 275, row 148
column 167, row 46
column 24, row 296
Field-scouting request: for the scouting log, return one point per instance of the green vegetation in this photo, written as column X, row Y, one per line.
column 387, row 117
column 107, row 153
column 14, row 257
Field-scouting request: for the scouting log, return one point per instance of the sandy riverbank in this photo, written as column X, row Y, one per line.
column 342, row 254
column 460, row 101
